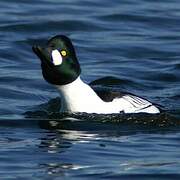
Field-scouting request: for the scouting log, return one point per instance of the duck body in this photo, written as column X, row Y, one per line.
column 61, row 68
column 80, row 97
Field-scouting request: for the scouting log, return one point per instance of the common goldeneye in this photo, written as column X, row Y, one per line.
column 61, row 68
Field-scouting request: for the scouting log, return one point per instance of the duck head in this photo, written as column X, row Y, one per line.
column 58, row 60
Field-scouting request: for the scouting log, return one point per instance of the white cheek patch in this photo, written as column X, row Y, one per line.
column 56, row 57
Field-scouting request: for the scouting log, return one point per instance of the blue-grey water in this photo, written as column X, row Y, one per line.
column 137, row 44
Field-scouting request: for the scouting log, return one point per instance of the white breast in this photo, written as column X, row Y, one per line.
column 79, row 97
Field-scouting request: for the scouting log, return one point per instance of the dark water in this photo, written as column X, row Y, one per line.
column 134, row 41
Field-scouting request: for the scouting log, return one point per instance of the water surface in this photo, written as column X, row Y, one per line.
column 135, row 42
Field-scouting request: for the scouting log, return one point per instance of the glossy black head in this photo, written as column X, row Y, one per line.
column 58, row 61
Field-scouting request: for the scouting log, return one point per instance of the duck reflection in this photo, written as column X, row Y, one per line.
column 65, row 131
column 57, row 142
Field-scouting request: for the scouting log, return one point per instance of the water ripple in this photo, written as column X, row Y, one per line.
column 135, row 44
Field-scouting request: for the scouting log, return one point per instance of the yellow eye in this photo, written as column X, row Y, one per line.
column 63, row 53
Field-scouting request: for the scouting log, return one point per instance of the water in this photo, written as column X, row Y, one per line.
column 134, row 42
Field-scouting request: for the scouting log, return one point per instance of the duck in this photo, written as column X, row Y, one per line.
column 61, row 68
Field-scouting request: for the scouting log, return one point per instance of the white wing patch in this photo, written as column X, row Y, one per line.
column 133, row 104
column 56, row 57
column 137, row 102
column 137, row 105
